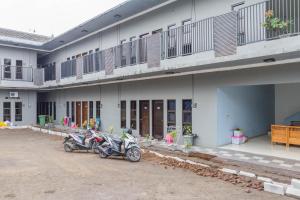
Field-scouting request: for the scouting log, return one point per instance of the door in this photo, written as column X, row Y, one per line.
column 144, row 119
column 78, row 114
column 158, row 119
column 85, row 113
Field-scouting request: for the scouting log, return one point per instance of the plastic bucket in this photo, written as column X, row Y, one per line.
column 42, row 120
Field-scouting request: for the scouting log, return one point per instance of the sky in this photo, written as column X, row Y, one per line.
column 47, row 17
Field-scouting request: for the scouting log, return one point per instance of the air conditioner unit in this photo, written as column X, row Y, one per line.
column 13, row 94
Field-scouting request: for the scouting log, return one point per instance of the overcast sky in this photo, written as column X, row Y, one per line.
column 49, row 17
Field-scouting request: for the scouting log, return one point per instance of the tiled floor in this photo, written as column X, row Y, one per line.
column 258, row 151
column 262, row 146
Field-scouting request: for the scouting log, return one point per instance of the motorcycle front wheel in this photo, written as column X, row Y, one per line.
column 133, row 154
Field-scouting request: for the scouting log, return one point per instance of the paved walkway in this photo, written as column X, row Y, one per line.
column 263, row 160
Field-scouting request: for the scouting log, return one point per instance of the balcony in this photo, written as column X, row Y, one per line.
column 16, row 73
column 218, row 36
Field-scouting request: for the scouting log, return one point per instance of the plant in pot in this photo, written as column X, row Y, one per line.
column 148, row 140
column 50, row 122
column 188, row 136
column 275, row 25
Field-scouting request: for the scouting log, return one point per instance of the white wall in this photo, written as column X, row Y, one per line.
column 29, row 101
column 28, row 57
column 287, row 101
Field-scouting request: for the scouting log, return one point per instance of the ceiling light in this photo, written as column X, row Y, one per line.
column 117, row 16
column 62, row 41
column 84, row 31
column 268, row 60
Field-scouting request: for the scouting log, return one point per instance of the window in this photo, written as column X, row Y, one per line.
column 186, row 114
column 133, row 115
column 123, row 53
column 98, row 61
column 187, row 37
column 6, row 111
column 50, row 72
column 19, row 69
column 18, row 111
column 143, row 47
column 91, row 109
column 172, row 40
column 73, row 111
column 133, row 50
column 98, row 109
column 123, row 114
column 54, row 110
column 88, row 62
column 68, row 109
column 50, row 109
column 7, row 68
column 234, row 6
column 68, row 68
column 171, row 113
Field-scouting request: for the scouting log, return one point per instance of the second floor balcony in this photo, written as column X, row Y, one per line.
column 221, row 36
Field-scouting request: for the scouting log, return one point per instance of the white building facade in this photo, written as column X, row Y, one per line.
column 161, row 64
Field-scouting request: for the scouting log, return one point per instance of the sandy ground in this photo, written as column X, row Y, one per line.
column 34, row 166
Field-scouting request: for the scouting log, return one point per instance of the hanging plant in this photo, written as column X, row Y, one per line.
column 273, row 23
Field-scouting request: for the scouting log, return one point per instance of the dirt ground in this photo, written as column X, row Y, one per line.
column 34, row 166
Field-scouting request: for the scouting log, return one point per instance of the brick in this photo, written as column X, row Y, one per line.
column 248, row 174
column 293, row 192
column 264, row 179
column 296, row 183
column 229, row 171
column 274, row 188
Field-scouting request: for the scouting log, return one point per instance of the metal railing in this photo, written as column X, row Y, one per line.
column 49, row 72
column 16, row 73
column 193, row 38
column 188, row 39
column 251, row 20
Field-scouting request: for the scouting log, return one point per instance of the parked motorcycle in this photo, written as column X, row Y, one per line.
column 88, row 141
column 125, row 146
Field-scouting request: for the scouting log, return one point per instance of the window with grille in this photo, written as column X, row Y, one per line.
column 133, row 115
column 18, row 111
column 6, row 111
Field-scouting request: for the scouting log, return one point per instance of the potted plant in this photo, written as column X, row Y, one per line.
column 188, row 136
column 148, row 140
column 238, row 132
column 50, row 122
column 275, row 25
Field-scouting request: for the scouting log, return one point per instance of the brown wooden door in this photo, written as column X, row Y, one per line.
column 78, row 114
column 84, row 112
column 144, row 118
column 158, row 119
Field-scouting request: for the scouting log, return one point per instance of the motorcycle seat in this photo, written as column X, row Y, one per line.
column 117, row 140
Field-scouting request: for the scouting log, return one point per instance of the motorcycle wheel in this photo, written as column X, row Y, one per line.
column 95, row 148
column 133, row 154
column 68, row 148
column 102, row 154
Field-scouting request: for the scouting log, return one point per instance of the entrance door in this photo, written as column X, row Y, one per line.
column 144, row 118
column 158, row 119
column 84, row 112
column 78, row 114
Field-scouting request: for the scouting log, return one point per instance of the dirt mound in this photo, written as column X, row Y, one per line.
column 206, row 171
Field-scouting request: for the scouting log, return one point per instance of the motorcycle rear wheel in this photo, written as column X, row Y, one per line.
column 68, row 148
column 133, row 154
column 102, row 154
column 95, row 148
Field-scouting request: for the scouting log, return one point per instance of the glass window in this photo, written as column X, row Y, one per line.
column 6, row 111
column 133, row 115
column 67, row 109
column 91, row 109
column 19, row 69
column 123, row 114
column 186, row 114
column 7, row 68
column 18, row 111
column 54, row 110
column 73, row 111
column 171, row 113
column 98, row 109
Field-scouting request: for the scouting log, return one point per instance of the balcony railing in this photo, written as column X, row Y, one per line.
column 16, row 73
column 252, row 18
column 194, row 38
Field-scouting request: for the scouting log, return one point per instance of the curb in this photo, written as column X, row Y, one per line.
column 269, row 184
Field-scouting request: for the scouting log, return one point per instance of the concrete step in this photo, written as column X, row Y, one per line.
column 296, row 183
column 274, row 188
column 293, row 192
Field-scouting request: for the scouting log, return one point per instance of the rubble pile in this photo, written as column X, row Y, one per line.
column 214, row 172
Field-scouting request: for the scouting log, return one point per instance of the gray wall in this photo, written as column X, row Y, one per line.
column 29, row 102
column 250, row 108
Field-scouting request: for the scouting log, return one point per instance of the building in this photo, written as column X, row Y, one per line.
column 150, row 65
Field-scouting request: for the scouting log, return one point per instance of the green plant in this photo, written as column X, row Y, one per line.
column 111, row 129
column 187, row 130
column 50, row 119
column 273, row 23
column 62, row 121
column 173, row 134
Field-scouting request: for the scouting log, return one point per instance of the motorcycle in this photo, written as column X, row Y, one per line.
column 125, row 146
column 88, row 141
